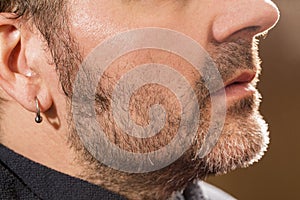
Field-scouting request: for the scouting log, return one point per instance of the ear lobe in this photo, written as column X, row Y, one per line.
column 16, row 77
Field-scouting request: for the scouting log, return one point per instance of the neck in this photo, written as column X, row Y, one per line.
column 45, row 143
column 159, row 184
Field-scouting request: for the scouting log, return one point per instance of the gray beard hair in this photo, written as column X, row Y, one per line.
column 243, row 139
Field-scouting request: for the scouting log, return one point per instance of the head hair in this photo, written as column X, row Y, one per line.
column 50, row 18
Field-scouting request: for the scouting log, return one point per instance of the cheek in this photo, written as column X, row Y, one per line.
column 94, row 21
column 143, row 98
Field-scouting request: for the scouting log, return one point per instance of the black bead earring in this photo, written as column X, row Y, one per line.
column 38, row 117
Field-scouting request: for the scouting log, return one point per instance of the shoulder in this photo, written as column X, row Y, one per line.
column 11, row 187
column 213, row 193
column 200, row 190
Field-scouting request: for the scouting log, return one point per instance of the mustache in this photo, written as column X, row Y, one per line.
column 230, row 58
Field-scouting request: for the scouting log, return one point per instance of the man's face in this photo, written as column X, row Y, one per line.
column 225, row 30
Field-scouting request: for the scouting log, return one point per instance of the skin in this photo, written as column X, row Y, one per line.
column 224, row 28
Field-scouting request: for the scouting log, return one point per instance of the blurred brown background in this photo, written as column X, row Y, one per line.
column 277, row 175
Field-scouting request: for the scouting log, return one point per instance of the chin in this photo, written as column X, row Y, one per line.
column 243, row 141
column 241, row 144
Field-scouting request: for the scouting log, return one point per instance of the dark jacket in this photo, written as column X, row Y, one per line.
column 21, row 178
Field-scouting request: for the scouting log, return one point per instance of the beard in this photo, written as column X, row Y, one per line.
column 243, row 139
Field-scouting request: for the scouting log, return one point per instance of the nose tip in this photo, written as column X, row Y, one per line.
column 258, row 15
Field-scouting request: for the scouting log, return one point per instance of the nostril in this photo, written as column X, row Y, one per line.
column 247, row 32
column 250, row 30
column 244, row 18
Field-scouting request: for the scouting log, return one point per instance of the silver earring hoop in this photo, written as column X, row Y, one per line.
column 38, row 117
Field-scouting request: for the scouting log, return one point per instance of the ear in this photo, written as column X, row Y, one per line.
column 17, row 79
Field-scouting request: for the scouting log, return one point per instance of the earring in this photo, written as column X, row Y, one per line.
column 38, row 117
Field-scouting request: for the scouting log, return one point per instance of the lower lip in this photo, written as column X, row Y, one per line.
column 237, row 91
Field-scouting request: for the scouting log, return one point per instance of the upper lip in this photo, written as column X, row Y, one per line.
column 240, row 78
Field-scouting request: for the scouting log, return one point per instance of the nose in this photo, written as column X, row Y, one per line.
column 235, row 16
